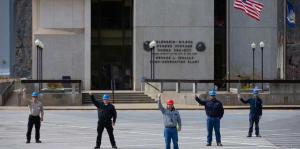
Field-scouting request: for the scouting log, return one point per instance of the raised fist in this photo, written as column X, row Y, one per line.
column 239, row 96
column 158, row 96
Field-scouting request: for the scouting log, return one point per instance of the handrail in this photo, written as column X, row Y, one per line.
column 5, row 93
column 113, row 88
column 152, row 86
column 220, row 81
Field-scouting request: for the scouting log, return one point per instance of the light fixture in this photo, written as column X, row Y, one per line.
column 253, row 45
column 39, row 43
column 262, row 44
column 152, row 44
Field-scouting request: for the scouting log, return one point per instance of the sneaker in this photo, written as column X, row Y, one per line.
column 38, row 141
column 258, row 136
column 28, row 141
column 114, row 146
column 97, row 147
column 208, row 144
column 219, row 144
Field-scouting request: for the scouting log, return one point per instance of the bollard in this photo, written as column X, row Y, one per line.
column 161, row 87
column 178, row 87
column 194, row 88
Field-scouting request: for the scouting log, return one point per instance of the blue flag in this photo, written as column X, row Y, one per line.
column 291, row 16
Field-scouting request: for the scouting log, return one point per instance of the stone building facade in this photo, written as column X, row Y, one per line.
column 98, row 41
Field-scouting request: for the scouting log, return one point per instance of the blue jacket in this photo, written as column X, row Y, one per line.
column 213, row 108
column 255, row 106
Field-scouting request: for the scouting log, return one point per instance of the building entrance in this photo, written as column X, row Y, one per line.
column 111, row 47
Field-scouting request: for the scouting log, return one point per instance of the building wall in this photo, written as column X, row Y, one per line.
column 6, row 36
column 59, row 24
column 174, row 20
column 61, row 14
column 64, row 27
column 244, row 31
column 63, row 56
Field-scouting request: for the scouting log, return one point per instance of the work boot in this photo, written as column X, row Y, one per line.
column 38, row 141
column 28, row 141
column 114, row 146
column 208, row 144
column 219, row 144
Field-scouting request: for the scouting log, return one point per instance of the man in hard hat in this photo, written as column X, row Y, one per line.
column 172, row 122
column 214, row 111
column 107, row 116
column 255, row 111
column 36, row 115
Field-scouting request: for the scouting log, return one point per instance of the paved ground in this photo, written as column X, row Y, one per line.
column 143, row 130
column 149, row 106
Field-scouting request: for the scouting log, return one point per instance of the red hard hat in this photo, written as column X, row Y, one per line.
column 170, row 102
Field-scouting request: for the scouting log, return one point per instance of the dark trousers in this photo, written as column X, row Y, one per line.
column 253, row 120
column 109, row 129
column 36, row 121
column 213, row 123
column 171, row 134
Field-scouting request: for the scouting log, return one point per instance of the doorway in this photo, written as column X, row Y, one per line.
column 111, row 44
column 220, row 56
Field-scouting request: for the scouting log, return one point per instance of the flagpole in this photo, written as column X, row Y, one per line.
column 228, row 41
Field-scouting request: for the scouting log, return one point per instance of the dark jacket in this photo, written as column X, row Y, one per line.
column 106, row 113
column 255, row 106
column 213, row 108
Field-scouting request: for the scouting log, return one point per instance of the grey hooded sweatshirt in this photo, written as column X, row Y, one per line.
column 171, row 117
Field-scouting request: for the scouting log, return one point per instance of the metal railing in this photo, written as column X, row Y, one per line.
column 113, row 88
column 62, row 83
column 5, row 94
column 195, row 82
column 53, row 92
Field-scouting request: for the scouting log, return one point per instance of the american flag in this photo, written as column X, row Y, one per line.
column 250, row 7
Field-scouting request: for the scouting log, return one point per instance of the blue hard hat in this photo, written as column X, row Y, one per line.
column 212, row 93
column 255, row 91
column 35, row 94
column 105, row 97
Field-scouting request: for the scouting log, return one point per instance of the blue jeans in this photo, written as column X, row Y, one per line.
column 171, row 133
column 253, row 119
column 213, row 123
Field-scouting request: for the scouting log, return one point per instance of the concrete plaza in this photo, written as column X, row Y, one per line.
column 75, row 129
